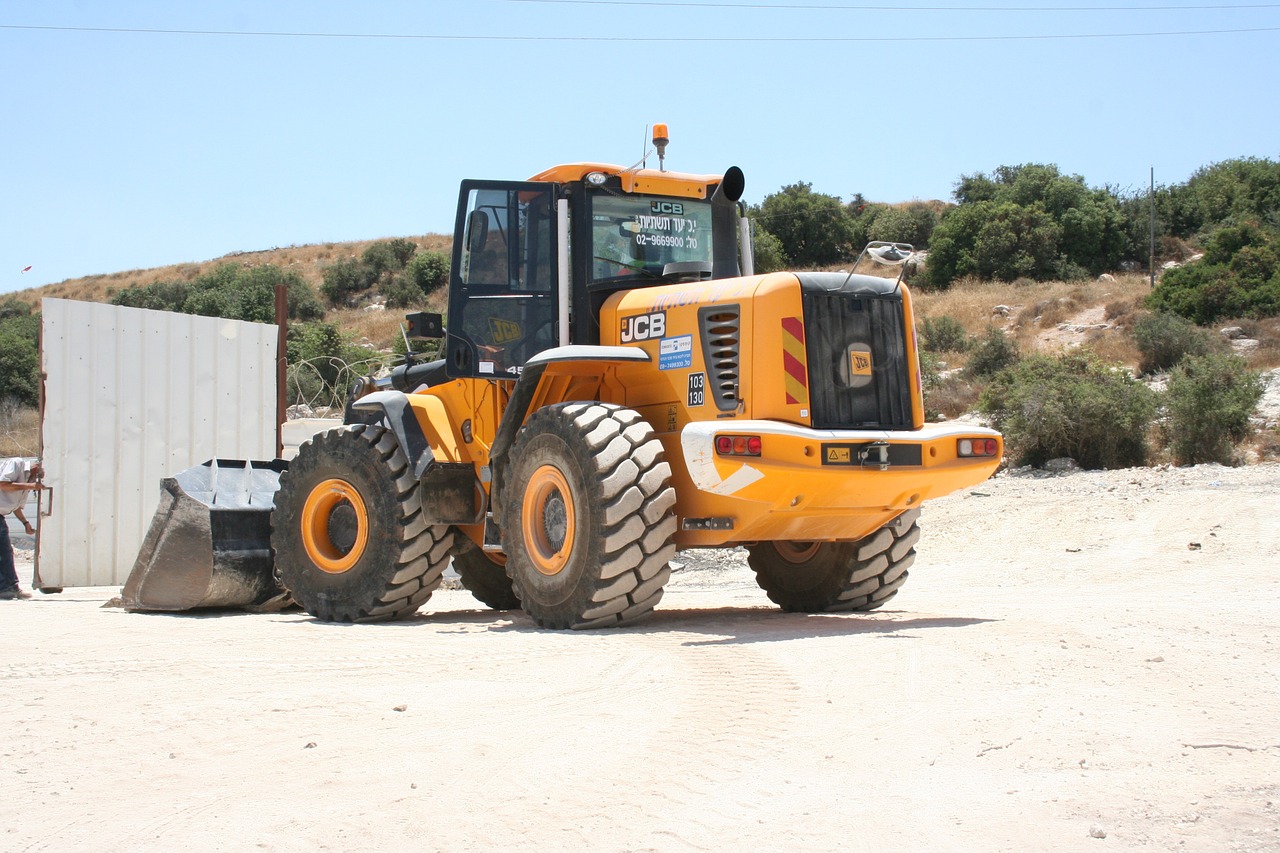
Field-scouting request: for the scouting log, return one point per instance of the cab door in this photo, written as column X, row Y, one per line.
column 503, row 280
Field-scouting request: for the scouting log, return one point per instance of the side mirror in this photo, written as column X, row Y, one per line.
column 477, row 231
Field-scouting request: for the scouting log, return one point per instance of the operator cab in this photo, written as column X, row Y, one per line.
column 533, row 262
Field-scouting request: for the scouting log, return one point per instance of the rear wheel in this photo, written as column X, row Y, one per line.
column 824, row 577
column 588, row 516
column 484, row 575
column 347, row 530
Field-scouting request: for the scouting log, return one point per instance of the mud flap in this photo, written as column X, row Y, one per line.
column 209, row 544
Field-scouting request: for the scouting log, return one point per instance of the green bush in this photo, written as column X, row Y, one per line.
column 1239, row 276
column 1073, row 406
column 1209, row 400
column 229, row 290
column 322, row 363
column 429, row 271
column 343, row 280
column 767, row 251
column 992, row 353
column 1164, row 339
column 944, row 334
column 19, row 362
column 402, row 292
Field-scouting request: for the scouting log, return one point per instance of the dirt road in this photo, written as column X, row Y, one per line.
column 1088, row 662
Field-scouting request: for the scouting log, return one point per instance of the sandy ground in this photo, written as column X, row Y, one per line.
column 1084, row 662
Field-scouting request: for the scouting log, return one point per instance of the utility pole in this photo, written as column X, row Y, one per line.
column 1151, row 203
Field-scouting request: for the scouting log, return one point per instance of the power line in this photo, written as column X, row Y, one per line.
column 634, row 39
column 879, row 8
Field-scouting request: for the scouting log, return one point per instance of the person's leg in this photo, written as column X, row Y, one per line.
column 8, row 574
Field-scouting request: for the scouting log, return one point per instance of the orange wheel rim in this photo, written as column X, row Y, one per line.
column 549, row 521
column 797, row 552
column 335, row 506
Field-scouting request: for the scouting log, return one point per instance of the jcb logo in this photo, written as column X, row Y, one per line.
column 504, row 331
column 673, row 208
column 643, row 327
column 859, row 363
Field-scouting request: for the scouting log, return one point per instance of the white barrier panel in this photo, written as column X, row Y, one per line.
column 133, row 396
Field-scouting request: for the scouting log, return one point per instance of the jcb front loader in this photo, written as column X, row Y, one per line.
column 616, row 385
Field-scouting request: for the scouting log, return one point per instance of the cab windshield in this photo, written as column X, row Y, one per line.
column 647, row 238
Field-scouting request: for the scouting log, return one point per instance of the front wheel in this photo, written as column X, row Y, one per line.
column 588, row 516
column 829, row 577
column 347, row 530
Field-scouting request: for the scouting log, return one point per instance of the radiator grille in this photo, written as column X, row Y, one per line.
column 721, row 327
column 839, row 325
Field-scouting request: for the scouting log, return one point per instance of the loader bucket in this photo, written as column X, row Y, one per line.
column 209, row 544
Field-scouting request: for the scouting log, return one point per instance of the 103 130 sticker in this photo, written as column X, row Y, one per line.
column 697, row 389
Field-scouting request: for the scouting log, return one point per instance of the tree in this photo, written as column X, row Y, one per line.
column 814, row 228
column 908, row 223
column 20, row 359
column 1027, row 221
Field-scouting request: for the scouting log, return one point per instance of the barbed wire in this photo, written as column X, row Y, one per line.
column 308, row 386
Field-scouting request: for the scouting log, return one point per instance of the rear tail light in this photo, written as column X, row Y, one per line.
column 977, row 447
column 738, row 445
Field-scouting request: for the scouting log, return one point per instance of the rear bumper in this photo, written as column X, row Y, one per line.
column 819, row 484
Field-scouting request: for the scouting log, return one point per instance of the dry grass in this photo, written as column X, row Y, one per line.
column 952, row 397
column 309, row 261
column 19, row 430
column 381, row 328
column 1032, row 311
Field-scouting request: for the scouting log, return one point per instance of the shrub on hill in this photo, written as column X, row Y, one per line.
column 1164, row 339
column 229, row 290
column 429, row 271
column 394, row 269
column 992, row 353
column 1239, row 276
column 1209, row 400
column 1073, row 406
column 944, row 334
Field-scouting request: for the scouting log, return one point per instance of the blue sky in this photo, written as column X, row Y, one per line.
column 125, row 149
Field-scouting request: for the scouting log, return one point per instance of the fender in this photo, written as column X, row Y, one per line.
column 576, row 360
column 398, row 416
column 451, row 494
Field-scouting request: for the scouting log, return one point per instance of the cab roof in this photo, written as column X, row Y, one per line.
column 650, row 181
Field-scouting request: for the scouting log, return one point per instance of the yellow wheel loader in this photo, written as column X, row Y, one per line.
column 617, row 385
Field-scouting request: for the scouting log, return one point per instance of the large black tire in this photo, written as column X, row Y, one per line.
column 349, row 539
column 829, row 577
column 484, row 577
column 588, row 516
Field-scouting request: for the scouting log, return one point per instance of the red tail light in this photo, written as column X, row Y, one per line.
column 738, row 445
column 977, row 447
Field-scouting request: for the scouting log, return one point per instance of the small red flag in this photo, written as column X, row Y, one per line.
column 26, row 269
